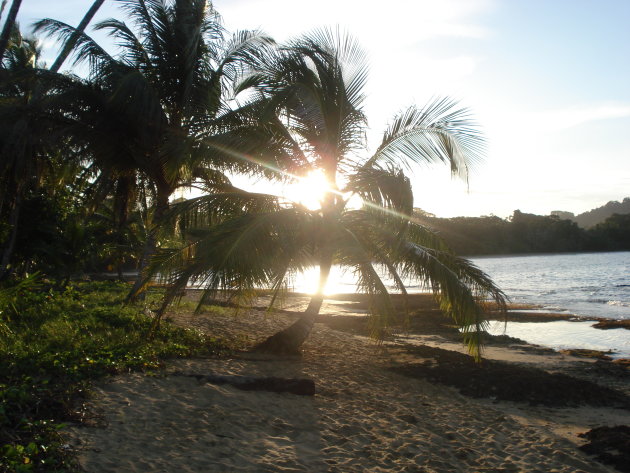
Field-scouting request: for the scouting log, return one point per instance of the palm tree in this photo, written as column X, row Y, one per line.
column 28, row 138
column 313, row 88
column 147, row 110
column 26, row 132
column 9, row 26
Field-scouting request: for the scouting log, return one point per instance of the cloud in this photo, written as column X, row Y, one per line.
column 397, row 21
column 555, row 120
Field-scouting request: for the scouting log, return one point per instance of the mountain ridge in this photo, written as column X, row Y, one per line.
column 592, row 217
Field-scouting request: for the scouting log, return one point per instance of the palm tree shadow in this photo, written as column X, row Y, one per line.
column 287, row 428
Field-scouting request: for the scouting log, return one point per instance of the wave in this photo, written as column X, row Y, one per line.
column 619, row 303
column 609, row 302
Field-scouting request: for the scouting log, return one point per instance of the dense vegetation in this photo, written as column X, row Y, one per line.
column 528, row 233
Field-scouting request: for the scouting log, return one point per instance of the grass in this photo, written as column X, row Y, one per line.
column 53, row 345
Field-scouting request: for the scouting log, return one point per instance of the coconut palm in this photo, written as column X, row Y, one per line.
column 28, row 138
column 146, row 110
column 240, row 241
column 9, row 26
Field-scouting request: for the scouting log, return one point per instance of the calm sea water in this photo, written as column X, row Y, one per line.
column 586, row 284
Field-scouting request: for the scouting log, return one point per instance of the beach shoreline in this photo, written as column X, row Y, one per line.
column 366, row 415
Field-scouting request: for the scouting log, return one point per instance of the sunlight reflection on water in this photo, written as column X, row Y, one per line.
column 587, row 284
column 564, row 334
column 343, row 281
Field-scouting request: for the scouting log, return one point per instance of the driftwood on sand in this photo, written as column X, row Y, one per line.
column 300, row 386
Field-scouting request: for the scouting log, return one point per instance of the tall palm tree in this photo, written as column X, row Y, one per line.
column 28, row 137
column 168, row 88
column 9, row 25
column 313, row 88
column 25, row 130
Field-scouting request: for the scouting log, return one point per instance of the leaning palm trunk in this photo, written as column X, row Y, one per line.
column 290, row 340
column 8, row 27
column 69, row 45
column 150, row 247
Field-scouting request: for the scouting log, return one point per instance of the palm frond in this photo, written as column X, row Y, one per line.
column 209, row 209
column 387, row 188
column 439, row 132
column 248, row 251
column 85, row 48
column 127, row 41
column 252, row 141
column 357, row 252
column 347, row 53
column 411, row 251
column 143, row 13
column 317, row 90
column 243, row 50
column 461, row 288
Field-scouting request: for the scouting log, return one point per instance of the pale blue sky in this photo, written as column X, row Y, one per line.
column 548, row 80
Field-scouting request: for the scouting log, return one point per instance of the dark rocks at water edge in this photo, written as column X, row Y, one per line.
column 503, row 381
column 611, row 445
column 612, row 323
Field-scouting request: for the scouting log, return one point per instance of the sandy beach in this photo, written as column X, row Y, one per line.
column 377, row 408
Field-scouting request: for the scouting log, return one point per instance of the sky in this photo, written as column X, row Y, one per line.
column 547, row 80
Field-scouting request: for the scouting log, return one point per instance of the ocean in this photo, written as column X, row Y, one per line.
column 585, row 284
column 589, row 285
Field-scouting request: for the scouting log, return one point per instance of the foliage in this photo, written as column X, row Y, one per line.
column 471, row 235
column 54, row 344
column 538, row 233
column 311, row 95
column 60, row 240
column 612, row 234
column 28, row 141
column 527, row 233
column 145, row 114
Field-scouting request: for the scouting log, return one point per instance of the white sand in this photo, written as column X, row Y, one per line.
column 364, row 418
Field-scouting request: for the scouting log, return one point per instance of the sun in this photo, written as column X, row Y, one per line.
column 308, row 190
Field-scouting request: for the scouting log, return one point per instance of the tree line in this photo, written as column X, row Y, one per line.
column 528, row 233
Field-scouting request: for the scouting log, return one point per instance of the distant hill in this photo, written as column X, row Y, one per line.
column 524, row 233
column 593, row 217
